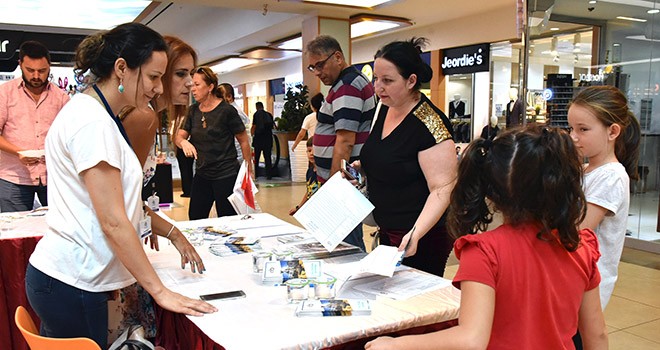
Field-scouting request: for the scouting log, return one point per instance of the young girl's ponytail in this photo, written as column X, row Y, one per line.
column 626, row 147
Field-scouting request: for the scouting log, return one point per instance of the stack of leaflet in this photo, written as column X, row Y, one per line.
column 276, row 272
column 313, row 249
column 334, row 307
column 298, row 161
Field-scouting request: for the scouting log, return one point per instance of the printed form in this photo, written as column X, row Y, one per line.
column 334, row 211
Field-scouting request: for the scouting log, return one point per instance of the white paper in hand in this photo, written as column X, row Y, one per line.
column 334, row 211
column 381, row 261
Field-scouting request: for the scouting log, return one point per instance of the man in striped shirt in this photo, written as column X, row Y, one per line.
column 345, row 116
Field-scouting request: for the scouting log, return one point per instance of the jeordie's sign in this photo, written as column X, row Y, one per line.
column 466, row 59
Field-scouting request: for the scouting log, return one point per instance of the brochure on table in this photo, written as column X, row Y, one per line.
column 334, row 211
column 253, row 225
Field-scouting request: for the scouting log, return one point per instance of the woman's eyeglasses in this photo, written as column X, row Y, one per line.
column 318, row 66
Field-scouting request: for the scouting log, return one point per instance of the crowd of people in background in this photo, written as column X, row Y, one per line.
column 563, row 194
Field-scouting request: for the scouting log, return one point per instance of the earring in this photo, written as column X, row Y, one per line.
column 120, row 88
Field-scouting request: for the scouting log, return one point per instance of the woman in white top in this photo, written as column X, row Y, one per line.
column 92, row 247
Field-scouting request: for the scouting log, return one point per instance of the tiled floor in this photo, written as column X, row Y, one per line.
column 632, row 316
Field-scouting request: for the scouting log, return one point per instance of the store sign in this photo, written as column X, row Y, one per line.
column 593, row 77
column 9, row 43
column 466, row 59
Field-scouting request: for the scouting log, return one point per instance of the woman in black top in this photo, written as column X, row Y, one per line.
column 212, row 124
column 409, row 159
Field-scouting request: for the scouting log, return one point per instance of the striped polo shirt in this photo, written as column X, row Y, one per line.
column 350, row 106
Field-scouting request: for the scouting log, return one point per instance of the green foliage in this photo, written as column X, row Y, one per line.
column 296, row 108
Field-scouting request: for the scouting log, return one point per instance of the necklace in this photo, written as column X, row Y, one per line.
column 203, row 120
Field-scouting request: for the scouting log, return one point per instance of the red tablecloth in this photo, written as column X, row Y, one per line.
column 175, row 331
column 14, row 255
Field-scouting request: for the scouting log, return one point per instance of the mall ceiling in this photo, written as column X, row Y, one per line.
column 224, row 28
column 218, row 29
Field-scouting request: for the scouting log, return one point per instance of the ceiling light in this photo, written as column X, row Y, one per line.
column 352, row 3
column 232, row 63
column 290, row 44
column 631, row 19
column 592, row 1
column 553, row 46
column 364, row 24
column 577, row 40
column 268, row 53
column 653, row 11
column 98, row 14
column 554, row 29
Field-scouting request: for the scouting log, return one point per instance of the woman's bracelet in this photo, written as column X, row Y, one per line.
column 169, row 233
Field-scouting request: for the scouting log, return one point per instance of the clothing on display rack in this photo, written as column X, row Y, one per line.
column 456, row 108
column 462, row 129
column 514, row 113
column 514, row 109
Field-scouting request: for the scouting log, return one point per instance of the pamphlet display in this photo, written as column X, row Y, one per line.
column 283, row 270
column 334, row 307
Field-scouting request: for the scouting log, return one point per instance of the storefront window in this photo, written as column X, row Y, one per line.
column 256, row 92
column 572, row 45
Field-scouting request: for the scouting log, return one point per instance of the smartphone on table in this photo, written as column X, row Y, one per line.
column 235, row 294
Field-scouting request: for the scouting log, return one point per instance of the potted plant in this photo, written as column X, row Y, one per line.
column 296, row 108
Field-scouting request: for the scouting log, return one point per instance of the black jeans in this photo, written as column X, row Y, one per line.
column 205, row 192
column 186, row 169
column 263, row 144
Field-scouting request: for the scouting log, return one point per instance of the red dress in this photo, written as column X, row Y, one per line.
column 538, row 284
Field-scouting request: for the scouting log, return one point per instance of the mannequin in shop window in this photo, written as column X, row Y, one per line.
column 456, row 107
column 490, row 131
column 514, row 109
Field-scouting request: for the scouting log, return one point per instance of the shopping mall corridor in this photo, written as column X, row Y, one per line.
column 632, row 316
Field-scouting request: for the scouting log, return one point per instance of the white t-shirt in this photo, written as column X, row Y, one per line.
column 246, row 121
column 309, row 124
column 74, row 250
column 608, row 186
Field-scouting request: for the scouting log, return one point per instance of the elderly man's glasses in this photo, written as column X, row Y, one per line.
column 318, row 66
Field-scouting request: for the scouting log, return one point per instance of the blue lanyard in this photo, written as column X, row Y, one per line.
column 120, row 126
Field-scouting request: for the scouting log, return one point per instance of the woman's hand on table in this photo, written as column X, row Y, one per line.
column 178, row 303
column 381, row 343
column 188, row 252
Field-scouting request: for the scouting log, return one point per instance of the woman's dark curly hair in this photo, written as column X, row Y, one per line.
column 530, row 174
column 134, row 42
